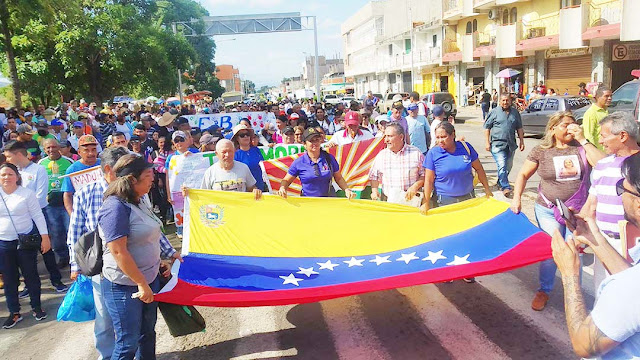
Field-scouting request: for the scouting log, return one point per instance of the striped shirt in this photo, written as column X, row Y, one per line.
column 397, row 170
column 84, row 218
column 609, row 208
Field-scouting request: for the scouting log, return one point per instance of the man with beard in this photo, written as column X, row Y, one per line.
column 611, row 330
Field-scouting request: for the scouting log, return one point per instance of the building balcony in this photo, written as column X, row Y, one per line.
column 451, row 46
column 605, row 13
column 506, row 40
column 453, row 10
column 484, row 4
column 629, row 29
column 572, row 23
column 547, row 25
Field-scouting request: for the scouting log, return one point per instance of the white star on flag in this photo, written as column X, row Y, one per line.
column 307, row 271
column 434, row 256
column 327, row 265
column 291, row 279
column 381, row 259
column 354, row 262
column 459, row 260
column 408, row 257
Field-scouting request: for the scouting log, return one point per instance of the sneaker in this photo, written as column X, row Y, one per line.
column 24, row 293
column 39, row 314
column 540, row 301
column 12, row 321
column 469, row 280
column 60, row 287
column 156, row 209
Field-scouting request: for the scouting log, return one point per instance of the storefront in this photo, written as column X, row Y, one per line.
column 439, row 78
column 567, row 68
column 625, row 57
column 515, row 63
column 475, row 73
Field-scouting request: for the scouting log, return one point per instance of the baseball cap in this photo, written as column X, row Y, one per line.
column 182, row 120
column 352, row 118
column 288, row 130
column 437, row 110
column 381, row 118
column 56, row 122
column 87, row 140
column 78, row 124
column 412, row 106
column 398, row 105
column 207, row 139
column 294, row 116
column 397, row 97
column 42, row 124
column 28, row 113
column 134, row 138
column 178, row 134
column 310, row 133
column 25, row 129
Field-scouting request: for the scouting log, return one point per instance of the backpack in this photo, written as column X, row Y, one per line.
column 88, row 253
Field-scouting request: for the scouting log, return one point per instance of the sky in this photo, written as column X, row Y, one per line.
column 266, row 59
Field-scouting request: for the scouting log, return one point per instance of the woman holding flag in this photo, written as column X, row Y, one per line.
column 315, row 169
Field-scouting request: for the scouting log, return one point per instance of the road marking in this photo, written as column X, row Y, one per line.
column 454, row 330
column 511, row 291
column 352, row 335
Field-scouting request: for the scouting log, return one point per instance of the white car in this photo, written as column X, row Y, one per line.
column 331, row 99
column 347, row 100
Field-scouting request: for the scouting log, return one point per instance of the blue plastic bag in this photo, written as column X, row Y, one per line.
column 78, row 304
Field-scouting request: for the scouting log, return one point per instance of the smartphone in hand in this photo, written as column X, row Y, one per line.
column 567, row 215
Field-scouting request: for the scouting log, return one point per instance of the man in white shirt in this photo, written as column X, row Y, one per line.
column 35, row 178
column 228, row 174
column 353, row 132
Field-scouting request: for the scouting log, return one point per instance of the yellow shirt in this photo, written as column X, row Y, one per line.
column 591, row 124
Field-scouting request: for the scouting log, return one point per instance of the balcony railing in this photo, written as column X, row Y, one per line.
column 452, row 5
column 605, row 12
column 543, row 26
column 484, row 39
column 451, row 46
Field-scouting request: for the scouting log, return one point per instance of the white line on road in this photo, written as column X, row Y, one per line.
column 454, row 330
column 352, row 335
column 512, row 291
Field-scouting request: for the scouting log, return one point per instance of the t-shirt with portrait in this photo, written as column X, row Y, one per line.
column 560, row 170
column 239, row 178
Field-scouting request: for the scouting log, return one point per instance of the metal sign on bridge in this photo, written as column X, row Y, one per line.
column 249, row 24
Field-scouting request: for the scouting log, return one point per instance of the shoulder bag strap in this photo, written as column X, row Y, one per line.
column 464, row 143
column 9, row 213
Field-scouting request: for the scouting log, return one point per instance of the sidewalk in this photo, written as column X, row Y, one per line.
column 469, row 115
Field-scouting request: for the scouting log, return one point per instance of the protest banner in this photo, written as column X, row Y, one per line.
column 258, row 119
column 82, row 178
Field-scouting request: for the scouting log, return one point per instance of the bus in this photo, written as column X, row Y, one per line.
column 231, row 98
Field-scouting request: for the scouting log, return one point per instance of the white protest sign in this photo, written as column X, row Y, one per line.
column 82, row 178
column 188, row 170
column 258, row 119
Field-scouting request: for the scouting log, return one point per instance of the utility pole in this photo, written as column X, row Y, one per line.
column 175, row 31
column 411, row 42
column 317, row 65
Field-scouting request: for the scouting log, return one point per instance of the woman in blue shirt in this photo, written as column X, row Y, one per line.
column 448, row 170
column 315, row 169
column 246, row 153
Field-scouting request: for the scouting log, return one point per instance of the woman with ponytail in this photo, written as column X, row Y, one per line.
column 131, row 259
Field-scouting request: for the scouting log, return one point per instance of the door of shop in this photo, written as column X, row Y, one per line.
column 567, row 72
column 621, row 72
column 444, row 83
column 406, row 81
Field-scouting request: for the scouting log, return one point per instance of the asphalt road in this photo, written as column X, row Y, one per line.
column 490, row 319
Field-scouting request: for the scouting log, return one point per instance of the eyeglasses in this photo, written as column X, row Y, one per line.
column 243, row 135
column 178, row 139
column 620, row 189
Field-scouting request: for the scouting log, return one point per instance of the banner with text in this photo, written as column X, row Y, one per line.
column 258, row 119
column 82, row 178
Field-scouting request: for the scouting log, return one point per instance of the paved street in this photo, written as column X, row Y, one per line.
column 490, row 319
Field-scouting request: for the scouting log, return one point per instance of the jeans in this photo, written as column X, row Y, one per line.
column 104, row 334
column 485, row 110
column 58, row 225
column 134, row 321
column 13, row 259
column 442, row 200
column 548, row 223
column 504, row 162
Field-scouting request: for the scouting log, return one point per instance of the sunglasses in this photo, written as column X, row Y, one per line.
column 620, row 189
column 243, row 135
column 178, row 139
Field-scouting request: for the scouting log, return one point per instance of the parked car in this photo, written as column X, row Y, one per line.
column 536, row 116
column 443, row 99
column 385, row 102
column 627, row 97
column 331, row 99
column 346, row 100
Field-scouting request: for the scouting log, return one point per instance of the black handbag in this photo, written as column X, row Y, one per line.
column 30, row 241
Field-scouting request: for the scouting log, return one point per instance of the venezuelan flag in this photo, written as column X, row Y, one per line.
column 242, row 252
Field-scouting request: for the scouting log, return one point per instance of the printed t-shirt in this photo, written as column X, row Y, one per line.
column 315, row 179
column 560, row 170
column 239, row 178
column 453, row 176
column 55, row 168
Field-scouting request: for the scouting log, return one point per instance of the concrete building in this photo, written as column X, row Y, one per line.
column 229, row 77
column 325, row 66
column 561, row 43
column 388, row 42
column 443, row 45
